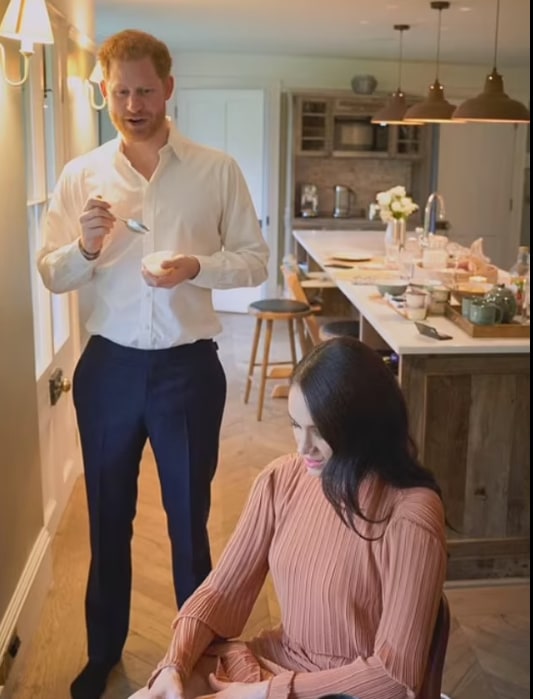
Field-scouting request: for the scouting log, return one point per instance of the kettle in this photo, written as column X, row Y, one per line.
column 344, row 201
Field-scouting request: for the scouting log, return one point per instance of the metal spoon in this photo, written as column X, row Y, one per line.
column 134, row 225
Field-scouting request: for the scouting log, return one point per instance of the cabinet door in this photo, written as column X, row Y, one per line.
column 313, row 126
column 407, row 141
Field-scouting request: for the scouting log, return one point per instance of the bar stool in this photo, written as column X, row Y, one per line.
column 318, row 331
column 271, row 310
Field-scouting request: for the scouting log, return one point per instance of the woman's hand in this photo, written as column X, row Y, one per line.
column 167, row 685
column 237, row 690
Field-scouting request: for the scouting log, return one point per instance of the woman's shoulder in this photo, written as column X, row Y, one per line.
column 282, row 475
column 282, row 470
column 421, row 506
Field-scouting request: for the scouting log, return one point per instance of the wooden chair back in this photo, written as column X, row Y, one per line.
column 297, row 293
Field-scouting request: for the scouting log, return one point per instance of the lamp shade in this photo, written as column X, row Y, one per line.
column 492, row 105
column 28, row 22
column 434, row 109
column 393, row 111
column 97, row 74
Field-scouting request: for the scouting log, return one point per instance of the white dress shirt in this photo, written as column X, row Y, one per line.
column 196, row 203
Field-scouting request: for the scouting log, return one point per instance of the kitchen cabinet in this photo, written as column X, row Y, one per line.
column 341, row 127
column 313, row 126
column 330, row 141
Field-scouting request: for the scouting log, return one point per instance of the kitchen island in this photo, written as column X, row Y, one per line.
column 469, row 407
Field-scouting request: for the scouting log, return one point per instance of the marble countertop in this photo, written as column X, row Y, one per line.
column 398, row 332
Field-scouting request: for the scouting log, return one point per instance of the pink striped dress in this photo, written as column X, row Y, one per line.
column 357, row 615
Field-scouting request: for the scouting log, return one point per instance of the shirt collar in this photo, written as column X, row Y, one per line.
column 175, row 143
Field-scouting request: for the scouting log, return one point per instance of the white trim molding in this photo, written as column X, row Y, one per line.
column 25, row 606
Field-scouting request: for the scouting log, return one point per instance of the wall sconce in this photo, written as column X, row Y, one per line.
column 26, row 21
column 95, row 78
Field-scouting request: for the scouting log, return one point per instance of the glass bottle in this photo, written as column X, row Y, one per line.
column 525, row 302
column 518, row 274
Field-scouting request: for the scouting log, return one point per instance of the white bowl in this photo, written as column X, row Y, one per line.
column 153, row 261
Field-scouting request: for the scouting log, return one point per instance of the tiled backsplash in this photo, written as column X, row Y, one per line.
column 366, row 176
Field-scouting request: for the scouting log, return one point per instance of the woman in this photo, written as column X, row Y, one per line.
column 351, row 529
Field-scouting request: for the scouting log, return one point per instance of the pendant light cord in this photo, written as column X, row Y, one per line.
column 400, row 28
column 438, row 44
column 496, row 33
column 400, row 61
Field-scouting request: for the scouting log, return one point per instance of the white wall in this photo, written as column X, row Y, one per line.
column 320, row 73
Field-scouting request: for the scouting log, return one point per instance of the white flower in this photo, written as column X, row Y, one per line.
column 395, row 204
column 398, row 191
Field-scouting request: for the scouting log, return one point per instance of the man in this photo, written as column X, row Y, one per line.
column 150, row 369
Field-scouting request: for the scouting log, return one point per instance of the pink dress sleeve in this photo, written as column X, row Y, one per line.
column 413, row 573
column 220, row 607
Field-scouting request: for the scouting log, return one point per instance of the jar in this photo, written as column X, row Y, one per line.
column 504, row 298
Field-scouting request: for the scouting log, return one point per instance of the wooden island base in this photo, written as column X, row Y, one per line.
column 469, row 407
column 470, row 418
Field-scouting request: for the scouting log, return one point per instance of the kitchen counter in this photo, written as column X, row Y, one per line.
column 400, row 334
column 329, row 222
column 469, row 408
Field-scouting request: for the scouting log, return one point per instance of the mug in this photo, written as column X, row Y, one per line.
column 466, row 303
column 484, row 312
column 415, row 299
column 439, row 296
column 416, row 313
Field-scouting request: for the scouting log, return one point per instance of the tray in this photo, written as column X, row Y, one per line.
column 509, row 330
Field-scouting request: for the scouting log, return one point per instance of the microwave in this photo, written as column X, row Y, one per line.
column 353, row 130
column 355, row 134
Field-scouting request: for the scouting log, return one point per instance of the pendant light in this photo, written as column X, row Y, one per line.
column 435, row 108
column 493, row 106
column 393, row 112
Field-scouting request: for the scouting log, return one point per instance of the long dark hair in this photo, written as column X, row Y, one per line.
column 359, row 410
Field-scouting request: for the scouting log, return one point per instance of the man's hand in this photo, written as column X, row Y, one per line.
column 167, row 685
column 237, row 690
column 178, row 269
column 96, row 222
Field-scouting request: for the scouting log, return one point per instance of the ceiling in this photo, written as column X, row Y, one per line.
column 328, row 28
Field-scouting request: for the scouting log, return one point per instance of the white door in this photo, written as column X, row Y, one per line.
column 231, row 121
column 56, row 332
column 477, row 179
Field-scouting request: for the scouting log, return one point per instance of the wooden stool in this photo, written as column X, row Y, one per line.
column 271, row 310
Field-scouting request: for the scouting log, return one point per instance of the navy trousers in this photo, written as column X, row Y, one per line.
column 175, row 398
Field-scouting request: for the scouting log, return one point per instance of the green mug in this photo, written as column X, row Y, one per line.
column 483, row 312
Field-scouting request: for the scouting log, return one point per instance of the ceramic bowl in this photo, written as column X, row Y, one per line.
column 395, row 288
column 153, row 261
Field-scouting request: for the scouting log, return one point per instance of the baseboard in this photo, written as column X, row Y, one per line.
column 25, row 607
column 486, row 582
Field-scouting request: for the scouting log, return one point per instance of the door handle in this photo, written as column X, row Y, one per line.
column 58, row 384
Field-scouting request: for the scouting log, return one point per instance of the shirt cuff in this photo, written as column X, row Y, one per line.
column 280, row 686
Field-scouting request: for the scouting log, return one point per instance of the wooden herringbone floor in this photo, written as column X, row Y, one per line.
column 488, row 655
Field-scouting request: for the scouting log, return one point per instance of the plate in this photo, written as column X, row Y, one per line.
column 349, row 256
column 374, row 265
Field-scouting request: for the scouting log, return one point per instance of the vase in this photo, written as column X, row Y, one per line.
column 394, row 239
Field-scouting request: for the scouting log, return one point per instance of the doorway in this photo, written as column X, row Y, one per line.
column 233, row 120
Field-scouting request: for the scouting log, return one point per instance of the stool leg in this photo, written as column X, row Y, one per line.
column 290, row 323
column 264, row 368
column 255, row 344
column 301, row 334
